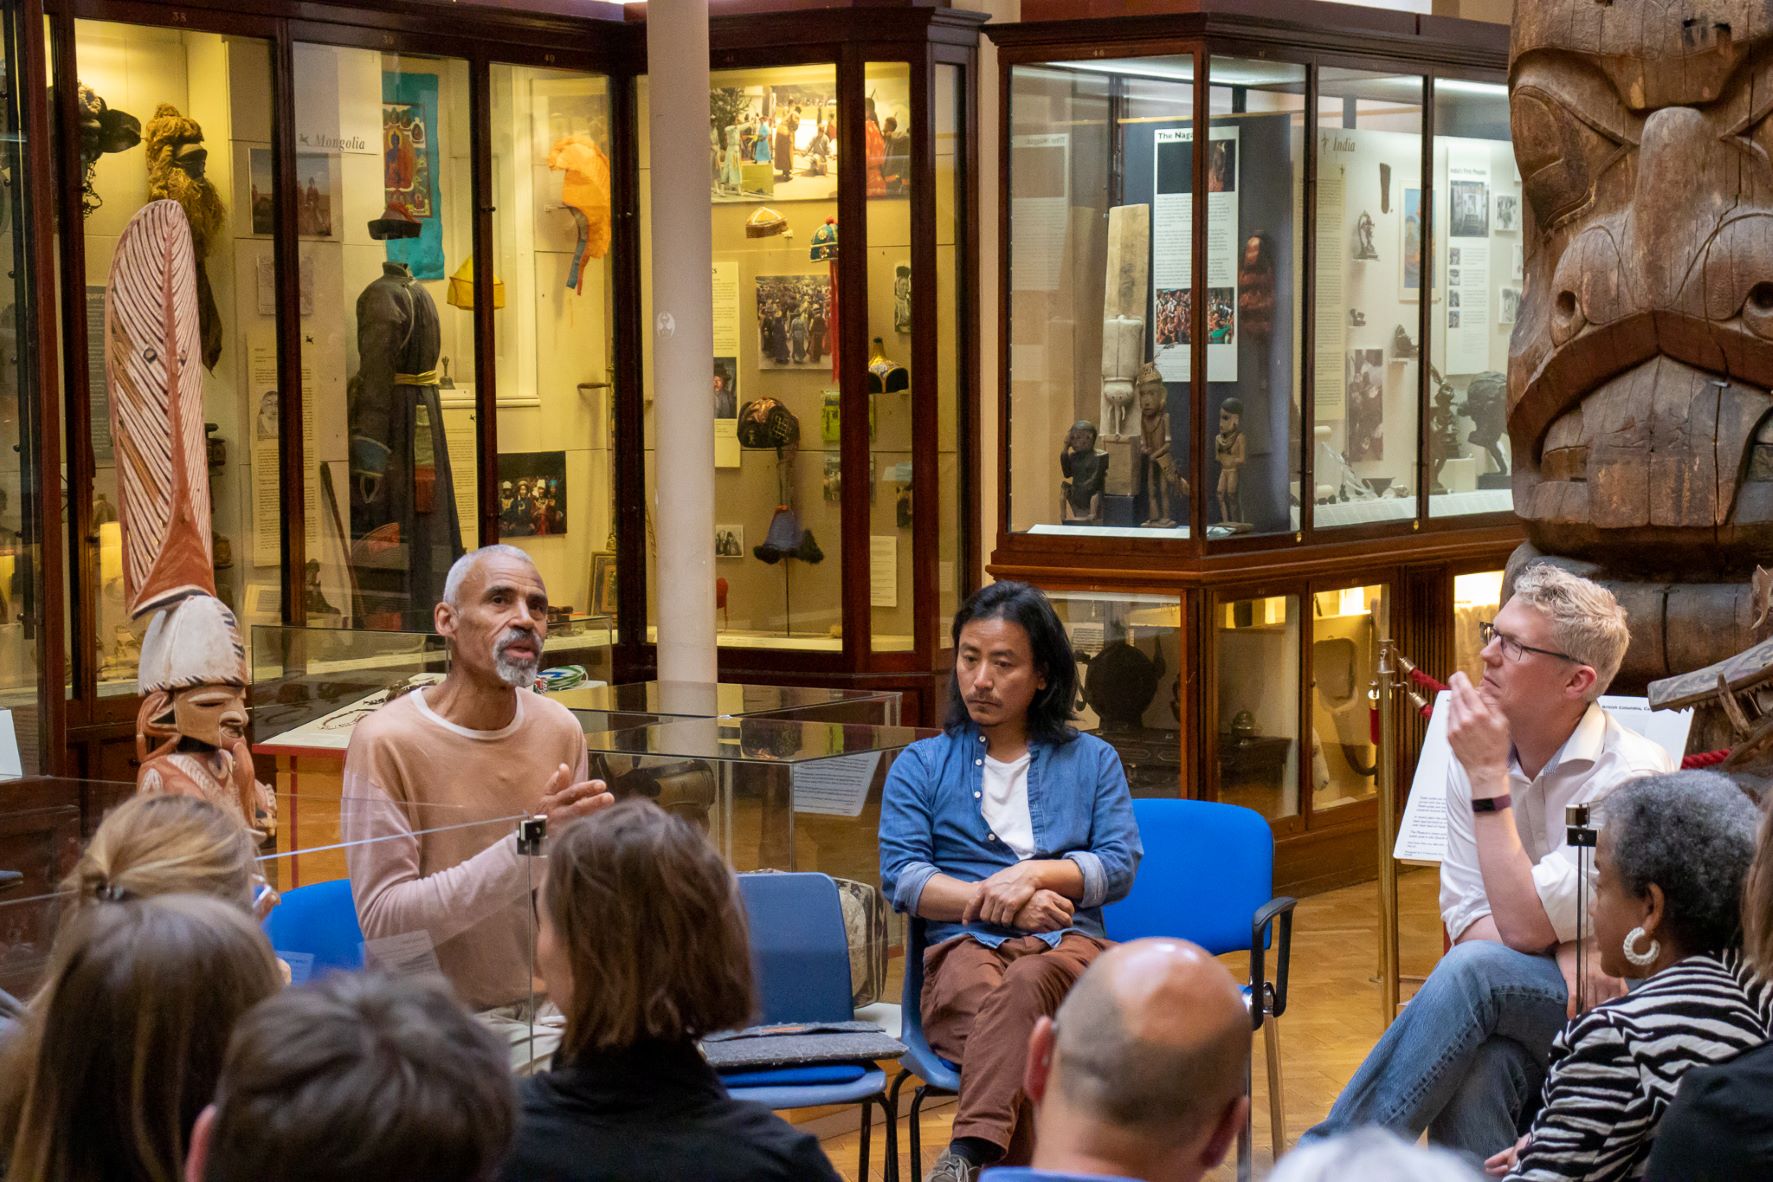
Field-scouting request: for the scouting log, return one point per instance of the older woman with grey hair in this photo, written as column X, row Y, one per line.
column 1669, row 867
column 1372, row 1154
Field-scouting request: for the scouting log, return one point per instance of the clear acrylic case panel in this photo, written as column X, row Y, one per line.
column 771, row 794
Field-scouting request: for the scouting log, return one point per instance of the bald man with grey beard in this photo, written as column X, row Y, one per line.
column 1140, row 1075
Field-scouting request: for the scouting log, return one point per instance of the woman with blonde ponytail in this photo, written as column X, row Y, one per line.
column 161, row 845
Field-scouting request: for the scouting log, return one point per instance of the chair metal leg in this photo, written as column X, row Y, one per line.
column 1277, row 1108
column 867, row 1137
column 916, row 1133
column 892, row 1110
column 1245, row 1147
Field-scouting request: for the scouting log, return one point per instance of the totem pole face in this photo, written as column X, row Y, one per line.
column 1641, row 359
column 212, row 714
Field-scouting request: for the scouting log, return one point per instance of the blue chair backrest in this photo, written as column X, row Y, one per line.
column 1207, row 868
column 320, row 920
column 799, row 947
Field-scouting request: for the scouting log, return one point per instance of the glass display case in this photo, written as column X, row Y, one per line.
column 46, row 824
column 310, row 685
column 1234, row 393
column 840, row 202
column 670, row 700
column 1268, row 331
column 1129, row 676
column 406, row 247
column 772, row 793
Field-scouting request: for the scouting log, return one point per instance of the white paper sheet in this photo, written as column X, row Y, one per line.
column 1422, row 837
column 835, row 787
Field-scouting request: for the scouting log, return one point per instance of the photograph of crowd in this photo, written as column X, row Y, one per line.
column 793, row 321
column 532, row 494
column 780, row 143
column 1173, row 318
column 1366, row 405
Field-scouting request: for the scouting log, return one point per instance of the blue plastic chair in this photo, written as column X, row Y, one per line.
column 1208, row 877
column 802, row 959
column 320, row 921
column 939, row 1076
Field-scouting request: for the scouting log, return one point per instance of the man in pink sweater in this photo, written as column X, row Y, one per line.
column 436, row 781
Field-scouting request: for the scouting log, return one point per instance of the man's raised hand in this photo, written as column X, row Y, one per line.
column 1476, row 730
column 564, row 801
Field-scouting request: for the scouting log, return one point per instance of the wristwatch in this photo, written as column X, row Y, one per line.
column 1491, row 804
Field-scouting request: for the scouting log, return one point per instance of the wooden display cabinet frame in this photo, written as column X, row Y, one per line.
column 92, row 736
column 851, row 36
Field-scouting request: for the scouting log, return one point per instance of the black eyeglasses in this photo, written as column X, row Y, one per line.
column 1514, row 649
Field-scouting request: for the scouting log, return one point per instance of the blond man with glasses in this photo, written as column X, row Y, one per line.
column 1466, row 1058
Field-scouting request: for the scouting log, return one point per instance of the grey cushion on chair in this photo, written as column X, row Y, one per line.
column 799, row 1044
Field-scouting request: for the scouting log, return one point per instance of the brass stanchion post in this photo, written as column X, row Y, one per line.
column 1386, row 830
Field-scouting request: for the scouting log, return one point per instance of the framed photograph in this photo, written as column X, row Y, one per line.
column 794, row 321
column 779, row 142
column 729, row 541
column 1410, row 248
column 316, row 194
column 603, row 583
column 1471, row 210
column 1510, row 307
column 532, row 494
column 726, row 388
column 1365, row 377
column 1508, row 213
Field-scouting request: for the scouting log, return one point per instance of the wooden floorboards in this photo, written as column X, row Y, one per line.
column 1332, row 1017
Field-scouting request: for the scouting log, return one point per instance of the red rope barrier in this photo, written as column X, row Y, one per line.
column 1705, row 758
column 1426, row 682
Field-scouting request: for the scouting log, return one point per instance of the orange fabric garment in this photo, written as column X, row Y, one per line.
column 586, row 187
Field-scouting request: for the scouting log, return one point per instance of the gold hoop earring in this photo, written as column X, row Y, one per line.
column 1648, row 956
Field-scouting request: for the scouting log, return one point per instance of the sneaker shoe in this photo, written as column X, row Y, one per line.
column 952, row 1167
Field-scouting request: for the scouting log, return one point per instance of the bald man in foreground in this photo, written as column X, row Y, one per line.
column 1140, row 1075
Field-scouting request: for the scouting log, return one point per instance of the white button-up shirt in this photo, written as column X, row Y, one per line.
column 1599, row 755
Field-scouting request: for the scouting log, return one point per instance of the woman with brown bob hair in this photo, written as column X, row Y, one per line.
column 643, row 944
column 125, row 1041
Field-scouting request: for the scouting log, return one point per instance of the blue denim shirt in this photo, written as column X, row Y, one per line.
column 931, row 823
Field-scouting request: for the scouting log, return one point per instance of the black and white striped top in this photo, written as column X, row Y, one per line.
column 1615, row 1069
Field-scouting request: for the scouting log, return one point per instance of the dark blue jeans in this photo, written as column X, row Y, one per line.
column 1466, row 1056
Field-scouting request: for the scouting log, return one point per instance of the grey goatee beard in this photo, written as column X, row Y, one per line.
column 517, row 672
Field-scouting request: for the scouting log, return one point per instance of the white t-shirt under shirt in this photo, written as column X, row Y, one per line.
column 1004, row 804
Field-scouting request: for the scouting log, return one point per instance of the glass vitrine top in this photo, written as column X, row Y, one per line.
column 703, row 699
column 751, row 740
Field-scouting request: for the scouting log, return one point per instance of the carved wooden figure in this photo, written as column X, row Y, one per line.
column 1639, row 368
column 193, row 667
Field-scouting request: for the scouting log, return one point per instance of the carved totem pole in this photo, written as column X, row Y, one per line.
column 1640, row 365
column 193, row 666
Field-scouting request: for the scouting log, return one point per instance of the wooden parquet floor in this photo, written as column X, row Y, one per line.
column 1332, row 1017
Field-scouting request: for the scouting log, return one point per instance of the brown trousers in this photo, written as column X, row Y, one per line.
column 979, row 1006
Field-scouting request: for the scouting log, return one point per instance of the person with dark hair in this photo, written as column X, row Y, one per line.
column 642, row 940
column 1720, row 1126
column 1666, row 900
column 1006, row 834
column 357, row 1076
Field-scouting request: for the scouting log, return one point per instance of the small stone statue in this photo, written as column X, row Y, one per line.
column 1363, row 237
column 1086, row 471
column 1228, row 449
column 1154, row 448
column 1486, row 405
column 1443, row 428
